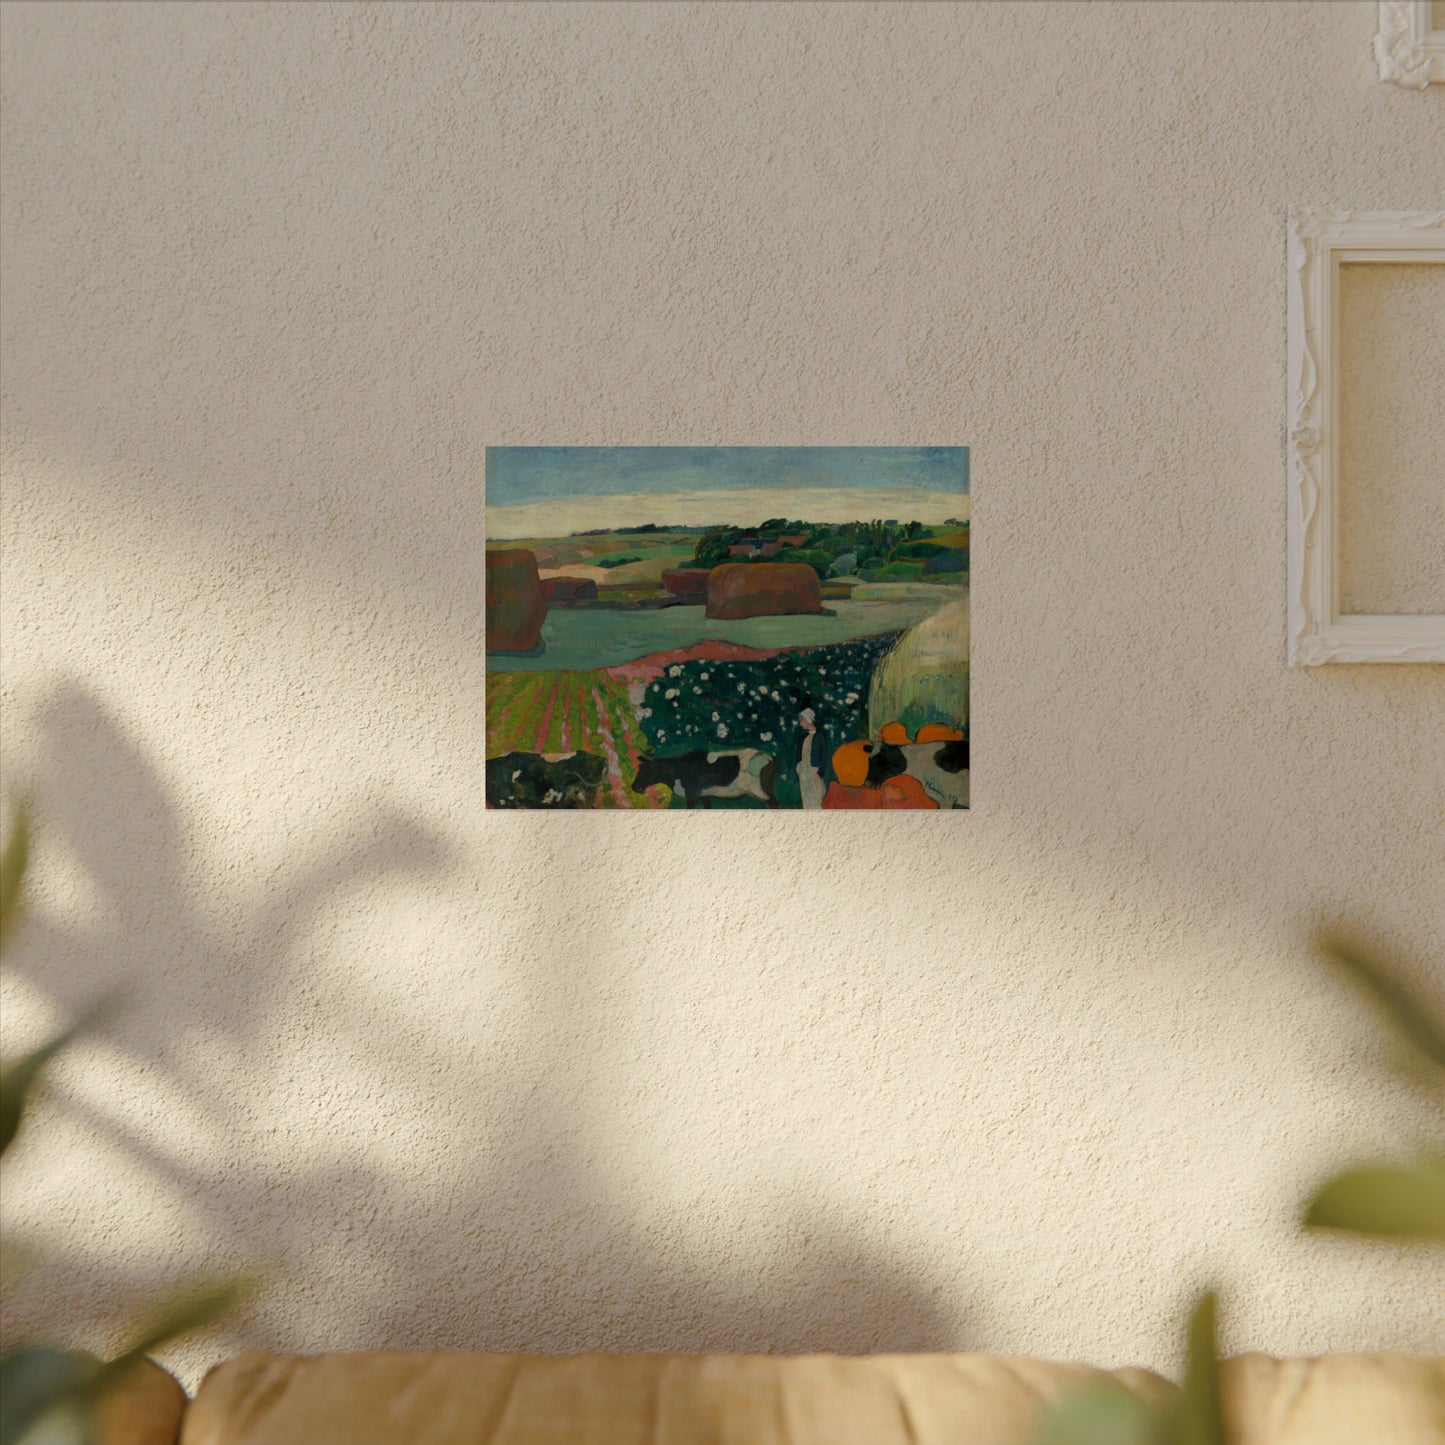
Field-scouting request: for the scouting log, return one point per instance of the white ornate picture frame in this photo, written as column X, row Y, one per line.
column 1320, row 241
column 1409, row 45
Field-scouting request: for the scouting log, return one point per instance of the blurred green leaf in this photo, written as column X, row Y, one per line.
column 19, row 1078
column 47, row 1396
column 1102, row 1413
column 1197, row 1418
column 15, row 1260
column 52, row 1392
column 12, row 872
column 1390, row 1201
column 1407, row 1017
column 39, row 1383
column 197, row 1306
column 69, row 1423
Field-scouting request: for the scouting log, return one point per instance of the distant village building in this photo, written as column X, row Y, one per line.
column 771, row 546
column 765, row 547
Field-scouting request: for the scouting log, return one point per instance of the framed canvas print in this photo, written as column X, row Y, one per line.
column 728, row 627
column 1366, row 441
column 1410, row 42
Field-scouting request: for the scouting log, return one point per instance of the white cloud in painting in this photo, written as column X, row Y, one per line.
column 744, row 508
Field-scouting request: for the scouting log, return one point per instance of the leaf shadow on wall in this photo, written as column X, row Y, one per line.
column 531, row 1247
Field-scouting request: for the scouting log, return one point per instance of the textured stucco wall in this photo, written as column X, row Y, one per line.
column 1392, row 439
column 274, row 276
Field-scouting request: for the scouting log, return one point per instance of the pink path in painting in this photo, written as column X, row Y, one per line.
column 609, row 750
column 645, row 669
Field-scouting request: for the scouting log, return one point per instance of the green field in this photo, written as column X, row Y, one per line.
column 655, row 551
column 582, row 640
column 556, row 712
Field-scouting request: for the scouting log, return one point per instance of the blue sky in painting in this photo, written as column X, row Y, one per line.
column 536, row 474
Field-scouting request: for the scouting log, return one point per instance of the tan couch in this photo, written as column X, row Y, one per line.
column 474, row 1399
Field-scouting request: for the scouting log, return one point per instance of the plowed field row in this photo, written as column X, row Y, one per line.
column 557, row 712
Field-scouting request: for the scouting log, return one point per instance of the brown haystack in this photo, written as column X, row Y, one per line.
column 762, row 589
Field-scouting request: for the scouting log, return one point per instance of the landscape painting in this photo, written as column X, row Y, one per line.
column 728, row 627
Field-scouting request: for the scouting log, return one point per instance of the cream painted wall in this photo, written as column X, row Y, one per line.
column 275, row 275
column 1392, row 439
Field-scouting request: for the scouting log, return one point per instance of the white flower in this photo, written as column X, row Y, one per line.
column 674, row 671
column 777, row 697
column 766, row 737
column 671, row 692
column 704, row 676
column 714, row 717
column 644, row 712
column 852, row 697
column 722, row 730
column 742, row 687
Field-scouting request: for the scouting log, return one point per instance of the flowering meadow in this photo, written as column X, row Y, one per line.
column 710, row 705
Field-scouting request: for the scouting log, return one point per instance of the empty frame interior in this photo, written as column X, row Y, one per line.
column 1391, row 437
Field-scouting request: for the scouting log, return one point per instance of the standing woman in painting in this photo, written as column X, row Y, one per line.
column 812, row 756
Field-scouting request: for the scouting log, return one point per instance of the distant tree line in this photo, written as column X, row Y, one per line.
column 642, row 531
column 877, row 549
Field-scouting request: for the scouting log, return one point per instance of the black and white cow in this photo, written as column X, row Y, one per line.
column 701, row 777
column 942, row 768
column 885, row 760
column 544, row 780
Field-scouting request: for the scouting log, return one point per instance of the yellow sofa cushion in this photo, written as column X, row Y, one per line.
column 1334, row 1400
column 475, row 1399
column 143, row 1407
